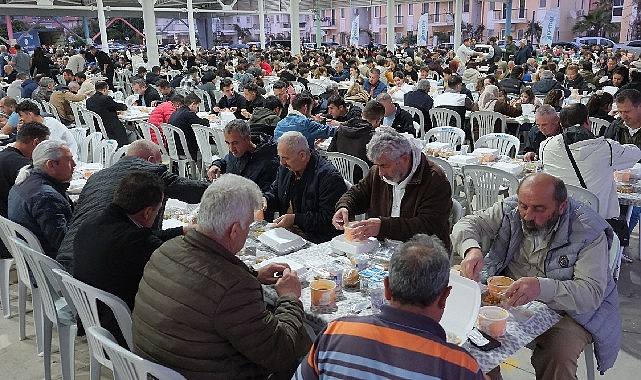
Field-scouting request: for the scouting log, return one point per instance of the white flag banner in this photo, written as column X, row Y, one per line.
column 354, row 35
column 421, row 38
column 550, row 23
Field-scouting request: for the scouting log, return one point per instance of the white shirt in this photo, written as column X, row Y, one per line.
column 398, row 189
column 58, row 131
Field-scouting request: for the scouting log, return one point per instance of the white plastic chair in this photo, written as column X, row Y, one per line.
column 484, row 184
column 502, row 141
column 94, row 122
column 421, row 119
column 9, row 230
column 126, row 364
column 146, row 128
column 119, row 96
column 485, row 121
column 89, row 144
column 219, row 139
column 184, row 161
column 56, row 310
column 442, row 117
column 597, row 124
column 298, row 87
column 447, row 168
column 5, row 267
column 104, row 151
column 202, row 139
column 85, row 299
column 79, row 134
column 131, row 99
column 50, row 108
column 347, row 164
column 118, row 154
column 452, row 135
column 583, row 195
column 76, row 108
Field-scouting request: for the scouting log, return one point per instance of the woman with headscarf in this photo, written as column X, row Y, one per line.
column 491, row 99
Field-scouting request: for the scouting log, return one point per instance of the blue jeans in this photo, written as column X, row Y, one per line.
column 634, row 218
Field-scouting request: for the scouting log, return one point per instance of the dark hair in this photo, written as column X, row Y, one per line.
column 251, row 87
column 337, row 101
column 225, row 82
column 517, row 71
column 27, row 106
column 280, row 84
column 162, row 83
column 446, row 70
column 492, row 79
column 81, row 75
column 301, row 100
column 271, row 103
column 373, row 110
column 623, row 71
column 192, row 98
column 139, row 190
column 155, row 69
column 454, row 81
column 573, row 114
column 599, row 102
column 530, row 94
column 29, row 131
column 634, row 96
column 101, row 85
column 68, row 71
column 553, row 97
column 177, row 98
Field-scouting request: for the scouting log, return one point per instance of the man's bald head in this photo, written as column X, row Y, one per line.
column 146, row 150
column 545, row 184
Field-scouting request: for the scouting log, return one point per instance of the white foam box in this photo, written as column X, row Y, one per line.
column 435, row 145
column 295, row 266
column 463, row 159
column 636, row 170
column 339, row 243
column 281, row 240
column 462, row 306
column 482, row 151
column 510, row 167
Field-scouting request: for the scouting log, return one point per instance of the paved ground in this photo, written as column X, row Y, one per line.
column 18, row 359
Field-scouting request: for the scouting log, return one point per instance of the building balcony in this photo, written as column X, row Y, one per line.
column 518, row 15
column 328, row 23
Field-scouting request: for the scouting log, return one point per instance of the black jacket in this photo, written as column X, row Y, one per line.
column 257, row 102
column 152, row 78
column 422, row 101
column 149, row 96
column 351, row 138
column 108, row 109
column 578, row 83
column 534, row 139
column 353, row 112
column 512, row 85
column 237, row 101
column 97, row 193
column 544, row 86
column 260, row 165
column 313, row 197
column 111, row 252
column 183, row 118
column 11, row 160
column 403, row 121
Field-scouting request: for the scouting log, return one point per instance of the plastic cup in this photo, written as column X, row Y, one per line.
column 492, row 320
column 376, row 292
column 323, row 293
column 496, row 285
column 259, row 215
column 349, row 233
column 464, row 149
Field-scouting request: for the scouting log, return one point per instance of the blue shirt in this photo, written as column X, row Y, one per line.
column 13, row 119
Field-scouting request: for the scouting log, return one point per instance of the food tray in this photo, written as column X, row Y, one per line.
column 339, row 243
column 281, row 240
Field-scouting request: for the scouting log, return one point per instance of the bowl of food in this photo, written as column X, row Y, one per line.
column 497, row 285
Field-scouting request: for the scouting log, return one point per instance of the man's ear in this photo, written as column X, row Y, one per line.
column 563, row 206
column 443, row 297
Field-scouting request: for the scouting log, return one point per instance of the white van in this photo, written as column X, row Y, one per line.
column 590, row 41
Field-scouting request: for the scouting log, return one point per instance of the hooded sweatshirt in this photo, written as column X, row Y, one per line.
column 351, row 138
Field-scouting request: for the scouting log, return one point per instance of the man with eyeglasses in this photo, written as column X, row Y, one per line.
column 97, row 194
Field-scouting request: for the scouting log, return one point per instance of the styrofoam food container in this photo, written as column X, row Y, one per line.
column 295, row 266
column 462, row 306
column 281, row 240
column 339, row 243
column 481, row 151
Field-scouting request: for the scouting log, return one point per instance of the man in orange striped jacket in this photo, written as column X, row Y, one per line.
column 405, row 340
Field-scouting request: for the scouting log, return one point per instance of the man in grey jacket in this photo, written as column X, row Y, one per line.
column 557, row 251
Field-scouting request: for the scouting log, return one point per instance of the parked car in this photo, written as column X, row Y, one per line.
column 567, row 45
column 633, row 46
column 591, row 41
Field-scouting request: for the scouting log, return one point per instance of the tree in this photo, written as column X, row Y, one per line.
column 16, row 25
column 598, row 22
column 538, row 30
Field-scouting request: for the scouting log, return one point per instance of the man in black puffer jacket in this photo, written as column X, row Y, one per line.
column 97, row 194
column 251, row 155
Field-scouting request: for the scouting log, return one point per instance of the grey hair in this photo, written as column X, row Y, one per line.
column 228, row 200
column 139, row 82
column 423, row 84
column 419, row 271
column 239, row 126
column 45, row 81
column 545, row 110
column 294, row 141
column 387, row 141
column 384, row 97
column 73, row 84
column 43, row 152
column 142, row 149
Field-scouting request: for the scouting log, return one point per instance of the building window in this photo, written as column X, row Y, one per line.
column 617, row 8
column 450, row 6
column 399, row 15
column 466, row 6
column 277, row 18
column 426, row 8
column 410, row 9
column 519, row 34
column 249, row 20
column 492, row 6
column 504, row 13
column 342, row 12
column 522, row 9
column 237, row 20
column 437, row 11
column 377, row 11
column 323, row 13
column 542, row 3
